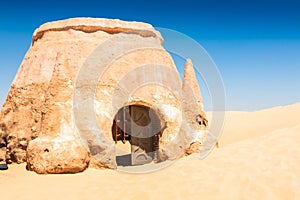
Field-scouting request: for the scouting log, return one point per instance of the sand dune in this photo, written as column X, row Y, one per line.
column 242, row 125
column 259, row 158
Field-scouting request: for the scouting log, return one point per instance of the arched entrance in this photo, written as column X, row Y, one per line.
column 141, row 127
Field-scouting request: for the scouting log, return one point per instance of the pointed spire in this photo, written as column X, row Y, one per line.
column 191, row 90
column 190, row 81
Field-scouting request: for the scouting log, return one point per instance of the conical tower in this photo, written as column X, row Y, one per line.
column 190, row 80
column 196, row 124
column 191, row 90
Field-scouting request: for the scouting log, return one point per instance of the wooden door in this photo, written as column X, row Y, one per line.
column 141, row 138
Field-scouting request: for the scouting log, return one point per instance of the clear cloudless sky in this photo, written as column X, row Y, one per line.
column 255, row 44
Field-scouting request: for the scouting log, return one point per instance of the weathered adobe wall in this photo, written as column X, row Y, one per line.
column 39, row 108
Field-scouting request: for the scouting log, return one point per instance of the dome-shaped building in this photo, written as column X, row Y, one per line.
column 86, row 84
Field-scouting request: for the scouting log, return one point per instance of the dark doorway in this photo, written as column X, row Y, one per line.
column 141, row 126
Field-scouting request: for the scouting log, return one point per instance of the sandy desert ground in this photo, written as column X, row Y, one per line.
column 258, row 158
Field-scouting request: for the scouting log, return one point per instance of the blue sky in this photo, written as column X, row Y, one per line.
column 255, row 44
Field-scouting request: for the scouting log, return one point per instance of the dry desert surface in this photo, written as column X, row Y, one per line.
column 258, row 158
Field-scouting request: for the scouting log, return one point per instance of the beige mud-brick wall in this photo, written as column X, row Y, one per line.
column 64, row 44
column 40, row 102
column 126, row 82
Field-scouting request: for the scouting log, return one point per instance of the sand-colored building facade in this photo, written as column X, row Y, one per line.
column 86, row 84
